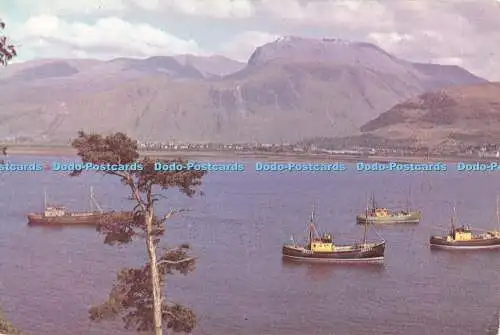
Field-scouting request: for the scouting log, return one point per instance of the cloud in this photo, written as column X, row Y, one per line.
column 456, row 31
column 388, row 40
column 243, row 44
column 331, row 13
column 200, row 8
column 49, row 36
column 212, row 8
column 63, row 7
column 450, row 61
column 465, row 32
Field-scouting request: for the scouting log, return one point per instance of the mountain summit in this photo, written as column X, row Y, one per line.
column 327, row 50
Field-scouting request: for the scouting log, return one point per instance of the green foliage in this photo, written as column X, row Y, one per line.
column 7, row 327
column 7, row 50
column 131, row 297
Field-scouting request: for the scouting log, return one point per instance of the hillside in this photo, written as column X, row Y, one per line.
column 290, row 89
column 468, row 115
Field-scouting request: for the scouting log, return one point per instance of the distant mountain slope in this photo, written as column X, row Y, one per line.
column 290, row 89
column 466, row 114
column 212, row 66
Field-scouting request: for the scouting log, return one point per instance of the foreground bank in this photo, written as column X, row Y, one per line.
column 7, row 328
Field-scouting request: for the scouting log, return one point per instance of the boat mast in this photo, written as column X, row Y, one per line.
column 94, row 202
column 453, row 221
column 408, row 201
column 44, row 198
column 364, row 234
column 311, row 225
column 91, row 199
column 498, row 218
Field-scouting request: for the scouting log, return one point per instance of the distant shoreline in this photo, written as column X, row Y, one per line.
column 227, row 155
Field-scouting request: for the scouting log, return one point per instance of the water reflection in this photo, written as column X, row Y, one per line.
column 459, row 254
column 57, row 227
column 51, row 276
column 321, row 271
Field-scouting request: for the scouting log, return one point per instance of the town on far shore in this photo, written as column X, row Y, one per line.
column 480, row 151
column 322, row 146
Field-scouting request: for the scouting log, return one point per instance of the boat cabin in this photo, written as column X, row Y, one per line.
column 461, row 234
column 54, row 211
column 323, row 243
column 380, row 212
column 495, row 234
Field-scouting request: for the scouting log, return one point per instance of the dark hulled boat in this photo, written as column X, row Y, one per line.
column 380, row 215
column 321, row 248
column 466, row 239
column 59, row 216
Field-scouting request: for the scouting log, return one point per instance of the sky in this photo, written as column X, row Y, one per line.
column 458, row 32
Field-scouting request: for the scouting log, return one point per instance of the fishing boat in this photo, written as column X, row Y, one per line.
column 380, row 215
column 322, row 248
column 55, row 215
column 464, row 237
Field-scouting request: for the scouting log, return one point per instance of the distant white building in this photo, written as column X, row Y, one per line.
column 489, row 154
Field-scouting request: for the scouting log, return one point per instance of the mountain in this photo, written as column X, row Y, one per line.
column 290, row 89
column 465, row 115
column 212, row 66
column 182, row 66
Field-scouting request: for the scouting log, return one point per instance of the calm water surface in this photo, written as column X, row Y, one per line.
column 49, row 278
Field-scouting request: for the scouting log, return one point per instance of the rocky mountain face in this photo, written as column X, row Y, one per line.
column 290, row 89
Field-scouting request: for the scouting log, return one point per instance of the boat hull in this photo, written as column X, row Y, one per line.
column 442, row 243
column 36, row 219
column 373, row 253
column 410, row 218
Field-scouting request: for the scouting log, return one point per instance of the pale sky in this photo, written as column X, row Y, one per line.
column 461, row 32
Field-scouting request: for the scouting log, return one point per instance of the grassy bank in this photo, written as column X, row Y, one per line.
column 6, row 327
column 41, row 150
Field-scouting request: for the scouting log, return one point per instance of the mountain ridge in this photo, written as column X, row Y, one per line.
column 324, row 87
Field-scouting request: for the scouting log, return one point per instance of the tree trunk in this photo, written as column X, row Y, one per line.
column 155, row 278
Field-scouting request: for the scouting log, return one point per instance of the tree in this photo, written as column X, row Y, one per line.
column 7, row 50
column 138, row 294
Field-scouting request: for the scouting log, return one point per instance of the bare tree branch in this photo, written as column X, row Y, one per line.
column 166, row 261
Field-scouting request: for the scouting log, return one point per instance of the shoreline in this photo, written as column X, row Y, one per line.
column 267, row 157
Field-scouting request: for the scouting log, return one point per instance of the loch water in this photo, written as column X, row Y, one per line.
column 50, row 277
